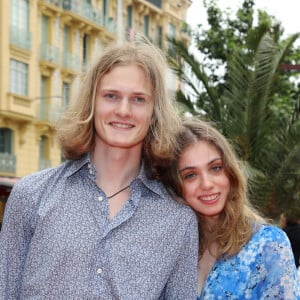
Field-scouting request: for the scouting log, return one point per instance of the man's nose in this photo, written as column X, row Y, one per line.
column 124, row 107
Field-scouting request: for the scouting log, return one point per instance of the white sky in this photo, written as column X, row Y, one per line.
column 286, row 11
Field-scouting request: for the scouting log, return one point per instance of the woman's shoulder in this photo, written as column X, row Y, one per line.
column 269, row 247
column 270, row 233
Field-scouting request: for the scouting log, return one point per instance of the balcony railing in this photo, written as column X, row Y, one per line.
column 83, row 9
column 71, row 61
column 7, row 163
column 20, row 37
column 50, row 53
column 49, row 112
column 57, row 3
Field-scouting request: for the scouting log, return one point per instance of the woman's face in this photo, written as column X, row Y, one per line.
column 205, row 183
column 124, row 107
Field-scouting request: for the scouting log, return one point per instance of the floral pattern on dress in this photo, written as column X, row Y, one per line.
column 263, row 269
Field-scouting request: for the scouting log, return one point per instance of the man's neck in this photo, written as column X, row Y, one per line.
column 116, row 167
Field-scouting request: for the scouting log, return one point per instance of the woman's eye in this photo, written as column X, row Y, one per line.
column 217, row 168
column 188, row 176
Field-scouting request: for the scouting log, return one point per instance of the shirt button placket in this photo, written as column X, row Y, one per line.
column 99, row 271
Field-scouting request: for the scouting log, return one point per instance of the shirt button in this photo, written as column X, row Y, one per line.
column 100, row 198
column 99, row 271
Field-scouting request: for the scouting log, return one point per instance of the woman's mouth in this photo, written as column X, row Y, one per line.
column 209, row 199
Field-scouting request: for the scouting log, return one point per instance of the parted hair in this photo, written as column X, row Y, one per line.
column 236, row 222
column 75, row 129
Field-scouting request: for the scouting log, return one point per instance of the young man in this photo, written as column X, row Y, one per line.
column 99, row 226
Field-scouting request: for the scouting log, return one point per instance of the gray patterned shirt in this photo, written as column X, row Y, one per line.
column 57, row 241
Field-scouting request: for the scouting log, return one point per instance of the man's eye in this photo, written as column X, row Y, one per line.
column 110, row 96
column 139, row 99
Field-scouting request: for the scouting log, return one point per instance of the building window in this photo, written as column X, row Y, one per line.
column 157, row 3
column 159, row 31
column 44, row 99
column 45, row 22
column 18, row 77
column 44, row 87
column 20, row 23
column 7, row 158
column 171, row 34
column 44, row 161
column 43, row 147
column 129, row 17
column 172, row 30
column 85, row 50
column 20, row 15
column 129, row 24
column 105, row 7
column 65, row 94
column 45, row 48
column 66, row 38
column 146, row 25
column 6, row 138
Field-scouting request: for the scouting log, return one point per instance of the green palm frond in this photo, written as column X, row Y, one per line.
column 191, row 72
column 249, row 94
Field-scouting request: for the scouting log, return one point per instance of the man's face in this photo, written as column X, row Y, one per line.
column 124, row 107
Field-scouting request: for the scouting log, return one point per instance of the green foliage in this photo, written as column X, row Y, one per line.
column 239, row 84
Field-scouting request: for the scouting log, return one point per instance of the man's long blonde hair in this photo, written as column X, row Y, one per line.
column 75, row 130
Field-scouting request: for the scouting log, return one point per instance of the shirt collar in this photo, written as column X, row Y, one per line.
column 151, row 184
column 85, row 159
column 75, row 165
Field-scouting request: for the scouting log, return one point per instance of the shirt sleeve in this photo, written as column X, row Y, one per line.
column 14, row 243
column 183, row 282
column 281, row 280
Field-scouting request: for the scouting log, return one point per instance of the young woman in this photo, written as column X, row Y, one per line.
column 240, row 255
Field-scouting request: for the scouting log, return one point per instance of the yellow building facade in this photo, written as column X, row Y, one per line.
column 44, row 44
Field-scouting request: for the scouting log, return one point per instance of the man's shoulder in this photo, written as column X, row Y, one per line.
column 33, row 189
column 43, row 180
column 42, row 177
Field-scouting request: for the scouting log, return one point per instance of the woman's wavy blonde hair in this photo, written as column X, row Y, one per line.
column 75, row 129
column 236, row 222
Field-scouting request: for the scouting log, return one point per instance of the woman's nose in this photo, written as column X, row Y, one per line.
column 205, row 181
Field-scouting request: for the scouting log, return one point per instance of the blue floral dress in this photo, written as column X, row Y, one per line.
column 263, row 269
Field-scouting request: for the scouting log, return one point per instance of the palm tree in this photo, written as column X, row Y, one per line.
column 244, row 108
column 268, row 145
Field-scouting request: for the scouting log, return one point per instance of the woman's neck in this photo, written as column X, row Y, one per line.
column 206, row 262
